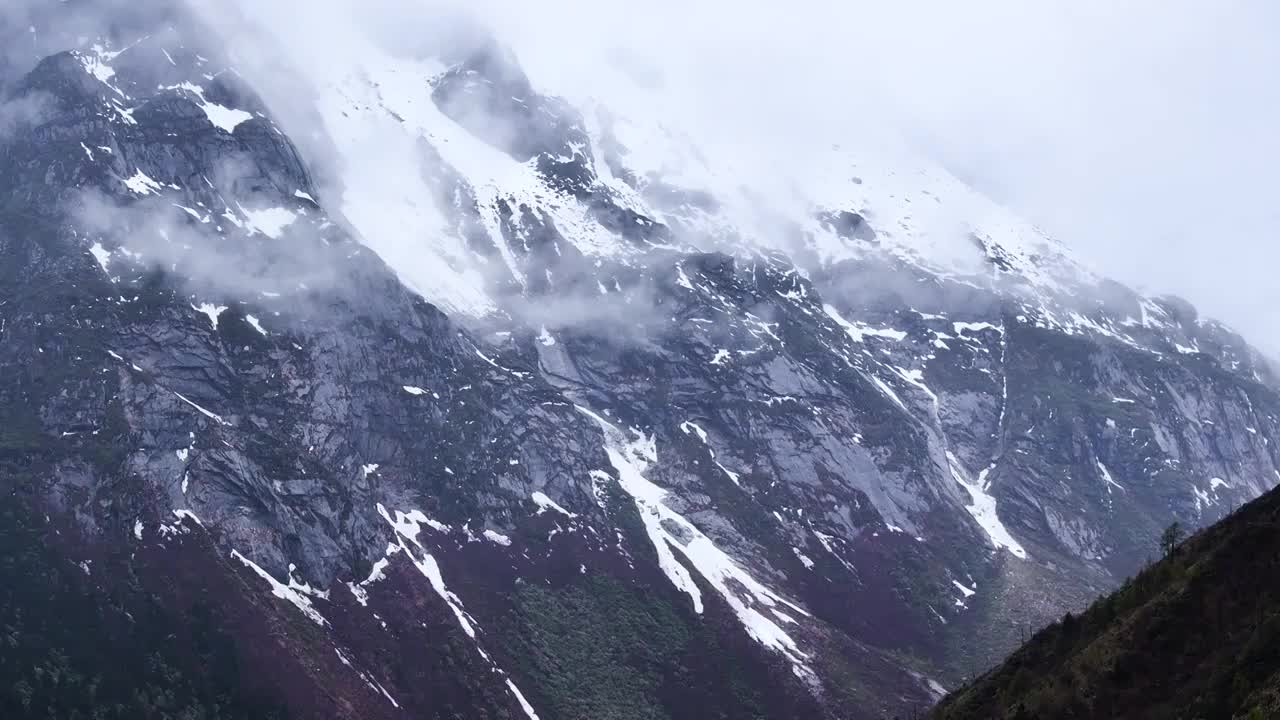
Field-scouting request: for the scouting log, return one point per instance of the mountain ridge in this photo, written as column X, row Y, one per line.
column 491, row 436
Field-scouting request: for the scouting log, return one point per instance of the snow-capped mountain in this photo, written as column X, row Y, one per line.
column 386, row 381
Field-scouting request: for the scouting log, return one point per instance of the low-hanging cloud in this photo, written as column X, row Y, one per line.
column 1139, row 133
column 156, row 234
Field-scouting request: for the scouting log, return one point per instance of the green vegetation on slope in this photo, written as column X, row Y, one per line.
column 1195, row 636
column 69, row 653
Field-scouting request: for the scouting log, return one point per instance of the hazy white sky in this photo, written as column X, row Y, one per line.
column 1143, row 133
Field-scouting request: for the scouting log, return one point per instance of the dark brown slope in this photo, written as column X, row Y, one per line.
column 1196, row 635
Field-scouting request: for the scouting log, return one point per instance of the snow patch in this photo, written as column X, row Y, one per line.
column 222, row 117
column 1106, row 476
column 376, row 573
column 284, row 592
column 497, row 537
column 975, row 327
column 692, row 428
column 524, row 704
column 211, row 415
column 406, row 529
column 102, row 255
column 545, row 503
column 749, row 599
column 983, row 507
column 804, row 559
column 268, row 221
column 253, row 321
column 141, row 184
column 860, row 331
column 210, row 310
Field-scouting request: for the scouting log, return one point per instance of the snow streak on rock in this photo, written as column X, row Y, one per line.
column 407, row 527
column 983, row 507
column 759, row 609
column 290, row 592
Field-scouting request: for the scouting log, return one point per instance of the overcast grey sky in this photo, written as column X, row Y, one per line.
column 1143, row 133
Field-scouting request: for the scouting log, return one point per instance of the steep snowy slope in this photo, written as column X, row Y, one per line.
column 462, row 398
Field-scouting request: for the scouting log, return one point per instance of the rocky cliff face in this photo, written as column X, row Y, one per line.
column 508, row 424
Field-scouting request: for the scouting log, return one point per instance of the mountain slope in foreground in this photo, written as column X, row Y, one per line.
column 1196, row 635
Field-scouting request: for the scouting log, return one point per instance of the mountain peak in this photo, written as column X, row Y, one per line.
column 452, row 387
